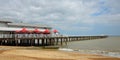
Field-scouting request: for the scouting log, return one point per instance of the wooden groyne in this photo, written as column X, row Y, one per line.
column 44, row 41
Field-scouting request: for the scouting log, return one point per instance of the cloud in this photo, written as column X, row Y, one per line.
column 65, row 15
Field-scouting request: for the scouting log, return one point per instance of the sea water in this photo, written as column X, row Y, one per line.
column 107, row 46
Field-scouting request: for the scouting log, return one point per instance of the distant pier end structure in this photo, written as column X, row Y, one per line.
column 24, row 34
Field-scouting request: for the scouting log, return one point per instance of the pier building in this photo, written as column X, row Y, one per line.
column 24, row 34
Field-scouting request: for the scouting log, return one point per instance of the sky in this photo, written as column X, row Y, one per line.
column 69, row 17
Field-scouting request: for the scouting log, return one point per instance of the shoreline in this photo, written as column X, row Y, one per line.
column 93, row 51
column 36, row 53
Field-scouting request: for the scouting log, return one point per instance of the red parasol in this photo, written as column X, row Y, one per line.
column 36, row 30
column 46, row 31
column 24, row 30
column 17, row 31
column 55, row 31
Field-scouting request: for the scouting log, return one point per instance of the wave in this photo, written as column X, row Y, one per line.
column 97, row 52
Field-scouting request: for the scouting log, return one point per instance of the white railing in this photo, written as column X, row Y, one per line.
column 24, row 35
column 28, row 35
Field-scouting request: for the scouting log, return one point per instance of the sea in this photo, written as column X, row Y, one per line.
column 109, row 46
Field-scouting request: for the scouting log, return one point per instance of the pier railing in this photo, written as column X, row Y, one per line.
column 24, row 35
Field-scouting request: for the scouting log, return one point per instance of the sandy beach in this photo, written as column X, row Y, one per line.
column 36, row 53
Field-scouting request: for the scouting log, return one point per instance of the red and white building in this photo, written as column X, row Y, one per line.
column 8, row 27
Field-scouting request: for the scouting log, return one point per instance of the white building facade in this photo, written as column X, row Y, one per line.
column 8, row 27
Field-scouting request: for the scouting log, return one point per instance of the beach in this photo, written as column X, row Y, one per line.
column 37, row 53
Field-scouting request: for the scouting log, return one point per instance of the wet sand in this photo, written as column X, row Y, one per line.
column 33, row 53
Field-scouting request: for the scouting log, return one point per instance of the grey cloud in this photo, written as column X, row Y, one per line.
column 59, row 12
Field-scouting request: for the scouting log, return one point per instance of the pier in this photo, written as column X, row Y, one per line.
column 23, row 34
column 36, row 40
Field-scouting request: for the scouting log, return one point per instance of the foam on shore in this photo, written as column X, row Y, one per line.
column 97, row 52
